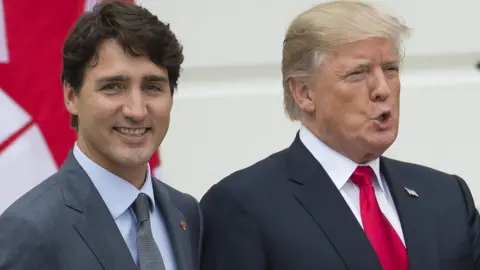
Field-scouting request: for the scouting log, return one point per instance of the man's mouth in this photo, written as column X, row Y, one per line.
column 384, row 117
column 132, row 131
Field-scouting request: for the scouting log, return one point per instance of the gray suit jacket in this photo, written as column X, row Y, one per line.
column 64, row 224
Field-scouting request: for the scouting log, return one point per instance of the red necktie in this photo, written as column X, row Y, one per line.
column 383, row 238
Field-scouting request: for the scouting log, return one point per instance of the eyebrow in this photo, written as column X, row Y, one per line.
column 122, row 78
column 368, row 65
column 391, row 63
column 362, row 66
column 155, row 78
column 117, row 78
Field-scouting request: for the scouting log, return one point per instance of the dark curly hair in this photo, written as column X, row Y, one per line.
column 138, row 31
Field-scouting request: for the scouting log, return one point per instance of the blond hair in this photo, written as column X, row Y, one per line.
column 315, row 31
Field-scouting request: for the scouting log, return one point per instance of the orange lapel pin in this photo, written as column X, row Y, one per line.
column 183, row 225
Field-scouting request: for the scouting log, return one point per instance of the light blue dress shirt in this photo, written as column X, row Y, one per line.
column 119, row 195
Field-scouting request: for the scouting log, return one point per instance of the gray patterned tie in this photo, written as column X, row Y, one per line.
column 149, row 256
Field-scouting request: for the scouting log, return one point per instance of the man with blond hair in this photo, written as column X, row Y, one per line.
column 331, row 200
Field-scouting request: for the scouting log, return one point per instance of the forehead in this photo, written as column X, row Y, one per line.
column 375, row 51
column 113, row 60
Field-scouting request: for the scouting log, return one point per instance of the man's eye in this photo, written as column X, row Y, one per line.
column 392, row 68
column 355, row 76
column 391, row 71
column 152, row 88
column 358, row 72
column 111, row 87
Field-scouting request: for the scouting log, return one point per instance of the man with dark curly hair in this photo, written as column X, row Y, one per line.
column 103, row 209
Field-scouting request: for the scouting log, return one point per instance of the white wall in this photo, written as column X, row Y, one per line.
column 250, row 32
column 228, row 112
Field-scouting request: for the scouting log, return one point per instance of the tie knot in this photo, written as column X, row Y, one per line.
column 141, row 207
column 362, row 176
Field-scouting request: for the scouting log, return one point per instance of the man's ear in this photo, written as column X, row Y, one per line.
column 302, row 93
column 70, row 98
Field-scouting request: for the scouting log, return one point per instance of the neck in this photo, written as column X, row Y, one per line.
column 135, row 176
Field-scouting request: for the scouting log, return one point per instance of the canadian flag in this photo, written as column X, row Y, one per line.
column 35, row 133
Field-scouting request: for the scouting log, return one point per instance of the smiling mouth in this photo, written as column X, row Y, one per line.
column 137, row 132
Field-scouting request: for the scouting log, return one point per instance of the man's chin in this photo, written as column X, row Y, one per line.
column 381, row 145
column 132, row 163
column 133, row 157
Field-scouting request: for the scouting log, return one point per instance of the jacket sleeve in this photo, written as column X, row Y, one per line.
column 473, row 221
column 23, row 246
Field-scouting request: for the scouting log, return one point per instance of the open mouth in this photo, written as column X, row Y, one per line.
column 137, row 132
column 384, row 117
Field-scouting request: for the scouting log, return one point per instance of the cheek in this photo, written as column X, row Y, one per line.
column 354, row 114
column 98, row 109
column 161, row 109
column 395, row 86
column 350, row 104
column 349, row 95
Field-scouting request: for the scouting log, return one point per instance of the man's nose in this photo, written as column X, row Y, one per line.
column 381, row 89
column 135, row 107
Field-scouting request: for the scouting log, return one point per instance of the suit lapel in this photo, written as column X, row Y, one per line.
column 315, row 191
column 417, row 225
column 173, row 219
column 94, row 223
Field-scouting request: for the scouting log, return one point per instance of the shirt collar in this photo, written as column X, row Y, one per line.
column 117, row 193
column 337, row 166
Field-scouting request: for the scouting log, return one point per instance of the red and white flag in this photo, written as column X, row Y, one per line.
column 35, row 133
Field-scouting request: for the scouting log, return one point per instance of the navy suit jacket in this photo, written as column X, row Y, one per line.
column 285, row 213
column 63, row 224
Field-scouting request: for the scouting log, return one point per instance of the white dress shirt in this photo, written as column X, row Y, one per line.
column 119, row 195
column 340, row 168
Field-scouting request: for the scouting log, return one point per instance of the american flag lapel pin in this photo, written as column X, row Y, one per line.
column 411, row 192
column 183, row 225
